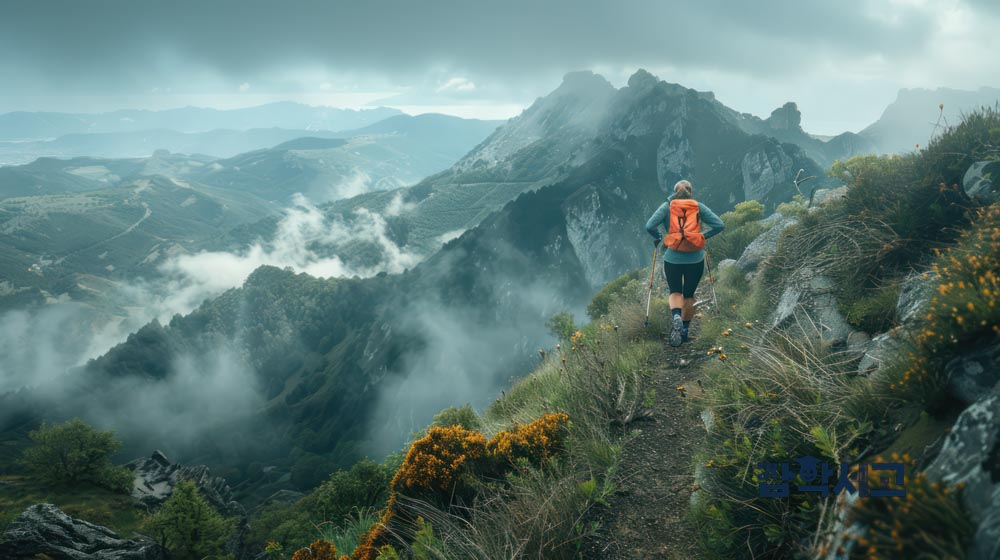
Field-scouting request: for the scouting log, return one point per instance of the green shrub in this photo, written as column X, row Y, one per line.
column 874, row 312
column 601, row 302
column 561, row 325
column 189, row 527
column 463, row 416
column 74, row 452
column 744, row 212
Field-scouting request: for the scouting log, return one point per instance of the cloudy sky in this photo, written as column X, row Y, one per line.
column 842, row 61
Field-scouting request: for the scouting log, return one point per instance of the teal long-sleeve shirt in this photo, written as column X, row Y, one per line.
column 660, row 217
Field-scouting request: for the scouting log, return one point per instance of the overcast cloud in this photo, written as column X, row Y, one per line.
column 841, row 61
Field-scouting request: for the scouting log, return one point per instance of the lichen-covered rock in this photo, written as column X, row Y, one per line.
column 981, row 181
column 156, row 477
column 973, row 374
column 914, row 295
column 44, row 531
column 971, row 456
column 808, row 300
column 764, row 246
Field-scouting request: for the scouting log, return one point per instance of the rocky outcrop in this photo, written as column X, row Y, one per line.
column 975, row 373
column 808, row 300
column 971, row 456
column 44, row 531
column 156, row 477
column 766, row 243
column 764, row 169
column 981, row 181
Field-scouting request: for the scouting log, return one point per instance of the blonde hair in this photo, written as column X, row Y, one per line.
column 683, row 189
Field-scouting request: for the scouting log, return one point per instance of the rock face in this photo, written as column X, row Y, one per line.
column 43, row 529
column 764, row 169
column 971, row 455
column 765, row 245
column 809, row 301
column 156, row 477
column 981, row 181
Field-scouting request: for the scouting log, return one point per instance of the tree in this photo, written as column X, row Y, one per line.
column 189, row 527
column 74, row 452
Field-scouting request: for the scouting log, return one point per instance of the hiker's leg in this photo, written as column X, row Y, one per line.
column 692, row 276
column 687, row 311
column 673, row 274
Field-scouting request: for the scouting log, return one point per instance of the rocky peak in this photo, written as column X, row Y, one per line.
column 642, row 80
column 786, row 117
column 584, row 82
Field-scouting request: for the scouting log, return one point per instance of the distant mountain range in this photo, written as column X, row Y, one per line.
column 60, row 219
column 913, row 117
column 285, row 114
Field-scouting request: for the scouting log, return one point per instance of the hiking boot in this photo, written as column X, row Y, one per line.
column 684, row 336
column 676, row 333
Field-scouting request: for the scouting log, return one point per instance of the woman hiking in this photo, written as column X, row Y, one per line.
column 684, row 253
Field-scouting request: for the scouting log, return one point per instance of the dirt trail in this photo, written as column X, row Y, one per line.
column 648, row 514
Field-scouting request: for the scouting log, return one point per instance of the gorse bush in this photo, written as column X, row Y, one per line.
column 318, row 550
column 962, row 312
column 437, row 462
column 534, row 443
column 901, row 527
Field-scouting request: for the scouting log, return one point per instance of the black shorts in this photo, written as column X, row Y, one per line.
column 683, row 278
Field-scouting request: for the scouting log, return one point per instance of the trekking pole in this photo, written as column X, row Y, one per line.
column 711, row 279
column 652, row 275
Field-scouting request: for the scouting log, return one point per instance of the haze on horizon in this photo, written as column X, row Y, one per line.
column 842, row 63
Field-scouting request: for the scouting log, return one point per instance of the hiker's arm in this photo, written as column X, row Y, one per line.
column 653, row 224
column 708, row 218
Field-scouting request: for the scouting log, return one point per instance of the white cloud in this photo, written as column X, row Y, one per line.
column 457, row 84
column 245, row 86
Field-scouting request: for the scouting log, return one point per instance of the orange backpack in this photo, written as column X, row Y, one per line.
column 684, row 233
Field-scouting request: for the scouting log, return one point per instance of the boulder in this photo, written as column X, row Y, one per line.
column 974, row 373
column 809, row 301
column 971, row 455
column 825, row 196
column 981, row 181
column 764, row 246
column 877, row 352
column 44, row 531
column 914, row 294
column 156, row 477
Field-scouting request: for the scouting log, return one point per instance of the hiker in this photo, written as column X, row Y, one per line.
column 684, row 252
